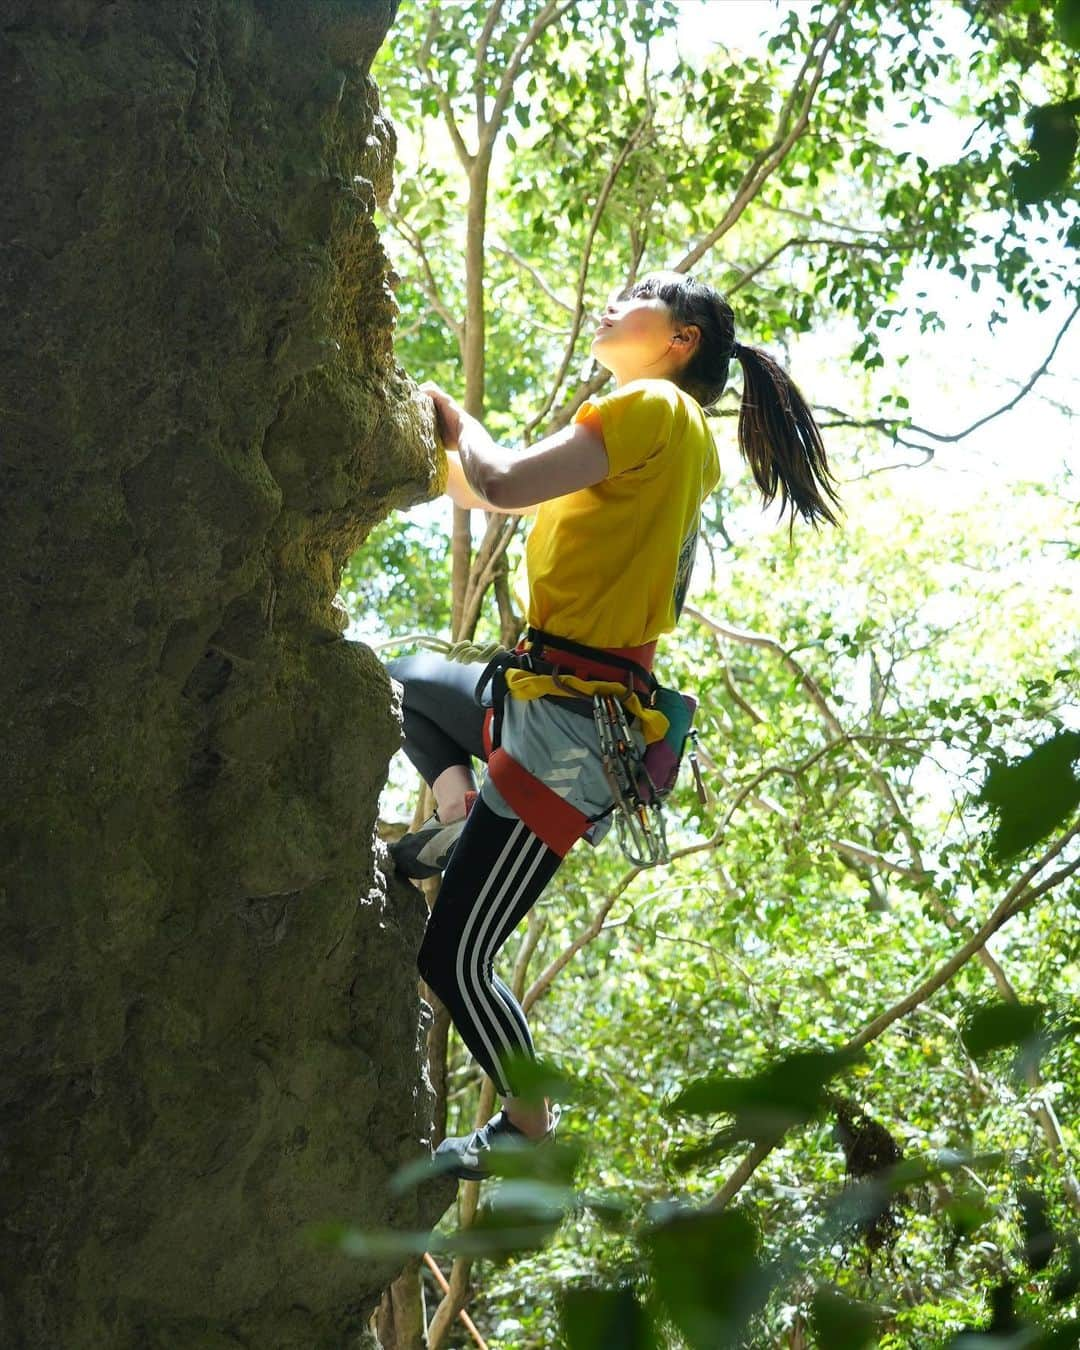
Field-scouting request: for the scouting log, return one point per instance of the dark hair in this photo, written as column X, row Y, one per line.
column 778, row 436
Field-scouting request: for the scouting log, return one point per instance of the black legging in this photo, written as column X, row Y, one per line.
column 443, row 723
column 496, row 873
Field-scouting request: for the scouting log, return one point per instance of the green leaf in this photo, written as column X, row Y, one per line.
column 966, row 1213
column 841, row 1324
column 1032, row 796
column 1054, row 137
column 519, row 1215
column 788, row 1093
column 535, row 1079
column 552, row 1165
column 1067, row 20
column 373, row 1245
column 603, row 1319
column 1067, row 1284
column 1040, row 1240
column 707, row 1274
column 1000, row 1024
column 420, row 1171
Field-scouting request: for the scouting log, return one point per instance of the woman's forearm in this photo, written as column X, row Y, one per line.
column 482, row 461
column 462, row 494
column 457, row 486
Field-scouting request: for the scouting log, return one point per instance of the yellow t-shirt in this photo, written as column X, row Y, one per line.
column 609, row 565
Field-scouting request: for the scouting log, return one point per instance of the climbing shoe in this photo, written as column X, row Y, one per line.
column 426, row 851
column 467, row 1155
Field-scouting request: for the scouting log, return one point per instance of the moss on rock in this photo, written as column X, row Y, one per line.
column 211, row 1031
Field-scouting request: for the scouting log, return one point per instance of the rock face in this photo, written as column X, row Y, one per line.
column 208, row 1009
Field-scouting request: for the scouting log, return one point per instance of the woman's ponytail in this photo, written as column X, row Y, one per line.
column 780, row 440
column 778, row 436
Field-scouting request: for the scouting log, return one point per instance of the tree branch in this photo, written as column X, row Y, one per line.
column 803, row 241
column 584, row 391
column 766, row 161
column 428, row 283
column 533, row 933
column 534, row 273
column 466, row 1320
column 849, row 849
column 583, row 272
column 468, row 1201
column 497, row 536
column 441, row 97
column 550, row 14
column 880, row 783
column 1017, row 898
column 490, row 20
column 892, row 427
column 736, row 694
column 792, row 771
column 544, row 980
column 813, row 219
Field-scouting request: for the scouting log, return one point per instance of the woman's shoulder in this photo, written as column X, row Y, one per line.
column 653, row 412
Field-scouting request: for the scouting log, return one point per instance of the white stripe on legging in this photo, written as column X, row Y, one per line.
column 501, row 908
column 512, row 1006
column 486, row 946
column 508, row 848
column 473, row 988
column 498, row 937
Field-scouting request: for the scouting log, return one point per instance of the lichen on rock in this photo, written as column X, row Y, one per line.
column 212, row 1037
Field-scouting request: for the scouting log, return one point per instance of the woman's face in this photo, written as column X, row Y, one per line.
column 633, row 333
column 638, row 337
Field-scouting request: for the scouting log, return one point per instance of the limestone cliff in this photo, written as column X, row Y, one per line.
column 207, row 996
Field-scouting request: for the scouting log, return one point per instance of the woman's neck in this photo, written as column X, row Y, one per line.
column 629, row 376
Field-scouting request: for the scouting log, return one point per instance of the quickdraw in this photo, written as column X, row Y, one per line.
column 639, row 821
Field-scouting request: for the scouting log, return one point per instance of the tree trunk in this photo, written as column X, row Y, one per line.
column 208, row 996
column 400, row 1320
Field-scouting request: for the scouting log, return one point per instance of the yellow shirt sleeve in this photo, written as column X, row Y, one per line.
column 636, row 422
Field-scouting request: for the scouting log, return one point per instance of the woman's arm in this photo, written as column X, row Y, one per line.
column 461, row 494
column 504, row 480
column 572, row 459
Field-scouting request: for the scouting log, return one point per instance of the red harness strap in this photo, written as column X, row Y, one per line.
column 552, row 819
column 548, row 815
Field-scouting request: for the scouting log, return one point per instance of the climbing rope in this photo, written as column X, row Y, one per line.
column 465, row 652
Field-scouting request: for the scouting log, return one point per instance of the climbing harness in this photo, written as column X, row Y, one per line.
column 640, row 780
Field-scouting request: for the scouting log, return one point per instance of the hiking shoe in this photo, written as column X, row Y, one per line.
column 472, row 1150
column 426, row 851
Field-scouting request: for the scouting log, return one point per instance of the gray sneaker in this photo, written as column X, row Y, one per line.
column 426, row 851
column 467, row 1154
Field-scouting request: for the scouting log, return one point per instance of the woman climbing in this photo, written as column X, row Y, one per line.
column 609, row 555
